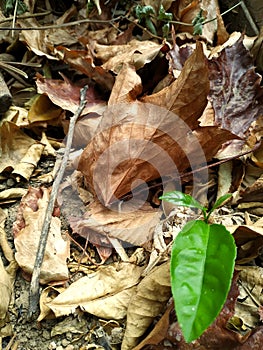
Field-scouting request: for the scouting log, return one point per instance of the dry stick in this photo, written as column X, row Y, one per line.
column 69, row 24
column 34, row 287
column 249, row 17
column 14, row 18
column 40, row 14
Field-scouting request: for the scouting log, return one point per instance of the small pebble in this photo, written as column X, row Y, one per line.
column 10, row 182
column 69, row 336
column 65, row 342
column 52, row 345
column 70, row 347
column 59, row 347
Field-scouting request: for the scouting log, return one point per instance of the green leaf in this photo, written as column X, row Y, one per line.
column 166, row 29
column 10, row 6
column 182, row 199
column 198, row 22
column 164, row 16
column 220, row 201
column 202, row 265
column 142, row 12
column 149, row 25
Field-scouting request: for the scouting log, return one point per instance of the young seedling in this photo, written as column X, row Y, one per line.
column 202, row 265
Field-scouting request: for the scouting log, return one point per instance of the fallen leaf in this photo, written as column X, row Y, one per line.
column 186, row 96
column 133, row 224
column 10, row 137
column 66, row 95
column 250, row 298
column 81, row 61
column 138, row 142
column 42, row 42
column 249, row 240
column 127, row 86
column 43, row 110
column 27, row 230
column 136, row 53
column 149, row 299
column 105, row 293
column 36, row 40
column 12, row 193
column 235, row 92
column 25, row 168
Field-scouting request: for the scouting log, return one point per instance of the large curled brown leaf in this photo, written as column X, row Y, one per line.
column 155, row 138
column 235, row 93
column 142, row 142
column 186, row 96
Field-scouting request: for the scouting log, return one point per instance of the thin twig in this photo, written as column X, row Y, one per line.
column 249, row 17
column 34, row 287
column 69, row 24
column 223, row 13
column 144, row 29
column 194, row 171
column 14, row 18
column 41, row 14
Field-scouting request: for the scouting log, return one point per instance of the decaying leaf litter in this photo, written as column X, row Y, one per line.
column 151, row 104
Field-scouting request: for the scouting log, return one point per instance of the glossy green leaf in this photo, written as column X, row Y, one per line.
column 202, row 265
column 220, row 201
column 182, row 199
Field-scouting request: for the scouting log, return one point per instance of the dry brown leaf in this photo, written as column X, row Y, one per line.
column 188, row 10
column 236, row 94
column 127, row 86
column 65, row 94
column 249, row 241
column 49, row 150
column 136, row 53
column 222, row 34
column 133, row 224
column 47, row 295
column 187, row 96
column 43, row 110
column 25, row 168
column 159, row 331
column 257, row 51
column 27, row 230
column 81, row 61
column 42, row 42
column 10, row 137
column 105, row 293
column 151, row 296
column 84, row 130
column 12, row 193
column 250, row 298
column 36, row 40
column 138, row 142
